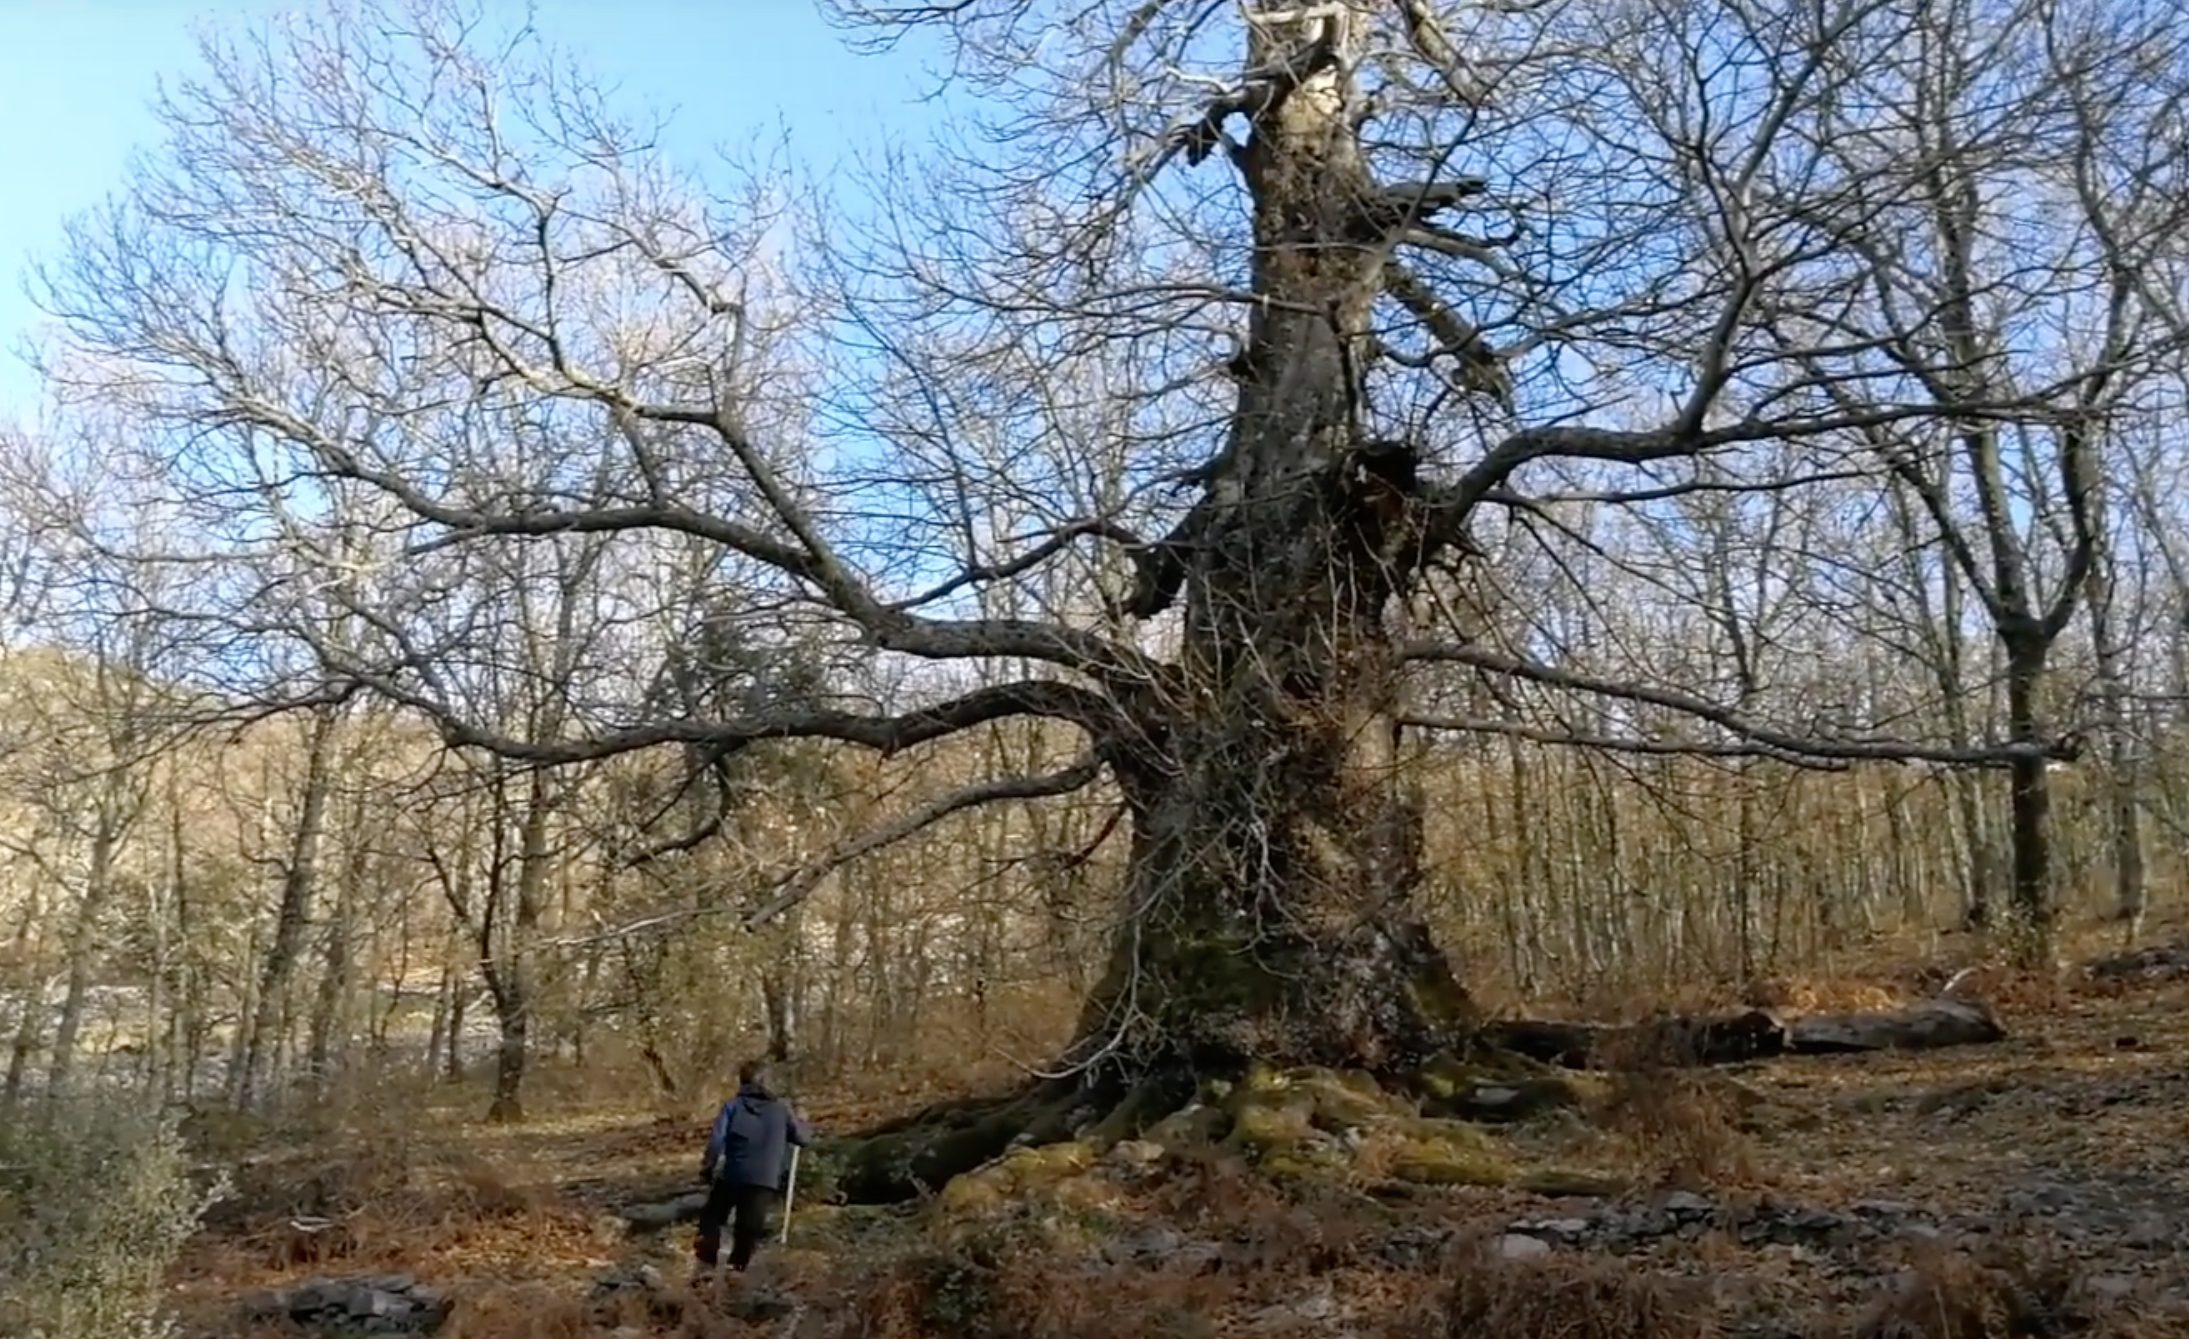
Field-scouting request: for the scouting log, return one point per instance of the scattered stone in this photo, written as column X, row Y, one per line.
column 1568, row 1230
column 1417, row 1246
column 643, row 1278
column 759, row 1305
column 666, row 1213
column 1521, row 1246
column 1157, row 1246
column 386, row 1304
column 2150, row 1232
column 1315, row 1307
column 1686, row 1204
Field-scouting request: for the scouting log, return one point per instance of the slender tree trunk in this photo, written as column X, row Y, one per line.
column 779, row 1002
column 156, row 1006
column 452, row 1063
column 2029, row 792
column 30, row 1021
column 82, row 950
column 329, row 1026
column 299, row 883
column 439, row 1027
column 513, row 983
column 782, row 987
column 2124, row 813
column 186, row 1008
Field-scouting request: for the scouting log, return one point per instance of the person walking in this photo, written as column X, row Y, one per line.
column 745, row 1166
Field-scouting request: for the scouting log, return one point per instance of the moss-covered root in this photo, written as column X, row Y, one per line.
column 1284, row 1120
column 922, row 1153
column 1496, row 1087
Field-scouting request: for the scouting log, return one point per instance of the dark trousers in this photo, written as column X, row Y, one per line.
column 744, row 1210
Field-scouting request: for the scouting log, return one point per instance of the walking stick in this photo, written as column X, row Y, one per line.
column 790, row 1193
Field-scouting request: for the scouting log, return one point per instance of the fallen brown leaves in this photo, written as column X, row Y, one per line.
column 2090, row 1084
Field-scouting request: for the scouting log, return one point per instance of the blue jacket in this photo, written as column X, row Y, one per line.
column 750, row 1145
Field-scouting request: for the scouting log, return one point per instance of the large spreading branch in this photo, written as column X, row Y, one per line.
column 1732, row 722
column 808, row 560
column 788, row 889
column 794, row 888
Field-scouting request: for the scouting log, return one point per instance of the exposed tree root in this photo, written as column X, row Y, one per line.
column 1287, row 1119
column 1427, row 1115
column 921, row 1153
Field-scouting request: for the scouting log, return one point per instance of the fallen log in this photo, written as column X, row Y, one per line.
column 1713, row 1039
column 1928, row 1026
column 664, row 1213
column 1752, row 1034
column 2160, row 962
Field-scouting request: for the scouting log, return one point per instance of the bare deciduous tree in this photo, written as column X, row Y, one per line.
column 1462, row 259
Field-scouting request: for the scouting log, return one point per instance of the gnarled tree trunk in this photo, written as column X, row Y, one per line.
column 1276, row 845
column 1269, row 913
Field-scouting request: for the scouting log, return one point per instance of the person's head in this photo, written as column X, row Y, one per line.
column 752, row 1074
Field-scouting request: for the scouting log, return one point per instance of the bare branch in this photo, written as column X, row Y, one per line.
column 796, row 887
column 1663, row 748
column 1780, row 741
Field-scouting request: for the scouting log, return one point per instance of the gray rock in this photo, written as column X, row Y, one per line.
column 1490, row 1099
column 1415, row 1247
column 1521, row 1246
column 369, row 1303
column 1156, row 1246
column 2150, row 1232
column 1316, row 1306
column 386, row 1304
column 1560, row 1229
column 272, row 1304
column 1137, row 1153
column 758, row 1306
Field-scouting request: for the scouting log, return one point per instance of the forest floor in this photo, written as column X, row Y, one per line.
column 2032, row 1187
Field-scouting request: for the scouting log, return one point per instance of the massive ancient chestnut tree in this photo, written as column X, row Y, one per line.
column 1252, row 314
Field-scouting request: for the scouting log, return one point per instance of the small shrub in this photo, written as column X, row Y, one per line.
column 97, row 1204
column 1682, row 1126
column 2011, row 1290
column 1569, row 1298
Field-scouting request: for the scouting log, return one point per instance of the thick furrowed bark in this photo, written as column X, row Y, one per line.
column 1270, row 912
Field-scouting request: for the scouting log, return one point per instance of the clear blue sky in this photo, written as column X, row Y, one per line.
column 76, row 78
